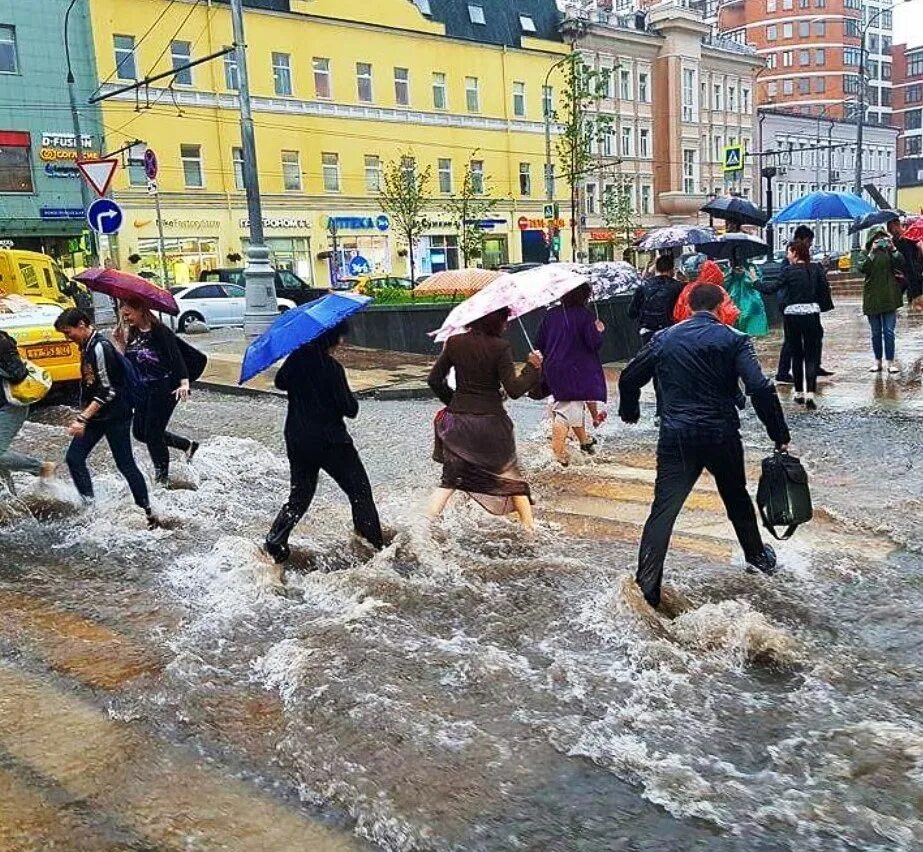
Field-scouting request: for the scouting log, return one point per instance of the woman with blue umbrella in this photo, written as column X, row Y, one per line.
column 319, row 398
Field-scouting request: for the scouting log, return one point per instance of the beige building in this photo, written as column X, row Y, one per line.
column 677, row 98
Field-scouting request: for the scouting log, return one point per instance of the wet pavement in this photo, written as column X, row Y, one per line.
column 470, row 688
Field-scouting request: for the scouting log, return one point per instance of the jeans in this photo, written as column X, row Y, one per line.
column 12, row 418
column 680, row 462
column 150, row 426
column 117, row 433
column 883, row 326
column 342, row 463
column 803, row 336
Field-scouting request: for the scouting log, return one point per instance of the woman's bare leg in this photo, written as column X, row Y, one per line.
column 523, row 508
column 437, row 502
column 559, row 431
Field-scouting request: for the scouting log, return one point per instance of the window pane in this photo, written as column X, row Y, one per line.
column 519, row 99
column 476, row 13
column 321, row 77
column 331, row 168
column 402, row 86
column 8, row 61
column 125, row 57
column 472, row 97
column 181, row 54
column 237, row 159
column 439, row 93
column 231, row 81
column 372, row 173
column 364, row 82
column 191, row 155
column 477, row 177
column 15, row 169
column 291, row 171
column 282, row 73
column 445, row 175
column 525, row 179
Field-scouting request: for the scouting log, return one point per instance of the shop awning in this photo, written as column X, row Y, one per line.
column 42, row 228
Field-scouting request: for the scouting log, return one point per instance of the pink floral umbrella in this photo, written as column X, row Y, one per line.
column 521, row 292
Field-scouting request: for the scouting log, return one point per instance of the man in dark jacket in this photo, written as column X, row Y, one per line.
column 653, row 302
column 107, row 410
column 913, row 261
column 698, row 364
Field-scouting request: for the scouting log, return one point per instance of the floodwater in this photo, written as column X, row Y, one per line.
column 468, row 688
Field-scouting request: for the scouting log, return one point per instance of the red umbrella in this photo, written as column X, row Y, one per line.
column 914, row 230
column 124, row 285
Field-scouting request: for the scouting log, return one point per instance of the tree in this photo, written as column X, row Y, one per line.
column 469, row 206
column 582, row 127
column 617, row 210
column 404, row 195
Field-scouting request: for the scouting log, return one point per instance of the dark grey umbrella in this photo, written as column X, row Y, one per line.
column 731, row 208
column 734, row 247
column 869, row 220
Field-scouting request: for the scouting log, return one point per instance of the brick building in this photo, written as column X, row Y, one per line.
column 908, row 116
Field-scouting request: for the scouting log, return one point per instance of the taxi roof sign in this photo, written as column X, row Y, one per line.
column 733, row 160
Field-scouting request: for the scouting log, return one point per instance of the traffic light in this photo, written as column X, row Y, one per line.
column 556, row 241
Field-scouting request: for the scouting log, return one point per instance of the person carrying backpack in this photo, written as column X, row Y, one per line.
column 105, row 399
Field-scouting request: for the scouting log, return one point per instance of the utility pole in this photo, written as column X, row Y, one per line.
column 261, row 307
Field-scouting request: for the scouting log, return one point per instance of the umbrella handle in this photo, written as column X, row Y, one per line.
column 525, row 334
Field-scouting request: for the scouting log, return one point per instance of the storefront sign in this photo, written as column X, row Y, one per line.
column 56, row 214
column 58, row 170
column 602, row 235
column 281, row 223
column 184, row 224
column 62, row 147
column 434, row 224
column 356, row 223
column 488, row 224
column 524, row 223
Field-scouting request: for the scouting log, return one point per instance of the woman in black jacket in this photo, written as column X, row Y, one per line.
column 316, row 439
column 155, row 352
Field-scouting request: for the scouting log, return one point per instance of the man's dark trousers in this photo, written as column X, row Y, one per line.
column 680, row 462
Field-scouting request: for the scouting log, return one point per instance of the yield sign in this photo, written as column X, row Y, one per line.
column 98, row 173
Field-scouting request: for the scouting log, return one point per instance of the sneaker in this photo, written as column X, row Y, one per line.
column 810, row 405
column 875, row 369
column 824, row 374
column 788, row 379
column 193, row 449
column 589, row 448
column 893, row 369
column 767, row 563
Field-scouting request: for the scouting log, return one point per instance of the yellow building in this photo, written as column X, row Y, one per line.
column 340, row 88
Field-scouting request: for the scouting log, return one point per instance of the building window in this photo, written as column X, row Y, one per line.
column 322, row 87
column 476, row 13
column 886, row 97
column 716, row 99
column 402, row 86
column 746, row 105
column 291, row 171
column 820, row 56
column 237, row 163
column 330, row 164
column 913, row 94
column 772, row 32
column 125, row 66
column 804, row 29
column 408, row 170
column 626, row 146
column 443, row 252
column 608, row 144
column 625, row 84
column 364, row 82
column 719, row 149
column 804, row 57
column 644, row 95
column 372, row 173
column 850, row 84
column 770, row 5
column 820, row 85
column 647, row 194
column 913, row 145
column 547, row 100
column 439, row 91
column 915, row 65
column 644, row 143
column 231, row 77
column 15, row 162
column 527, row 23
column 472, row 94
column 787, row 31
column 772, row 60
column 181, row 54
column 477, row 177
column 525, row 179
column 804, row 86
column 9, row 60
column 787, row 5
column 445, row 176
column 690, row 171
column 788, row 87
column 519, row 100
column 788, row 58
column 772, row 88
column 689, row 95
column 851, row 27
column 193, row 175
column 589, row 199
column 885, row 70
column 732, row 99
column 820, row 28
column 282, row 73
column 136, row 175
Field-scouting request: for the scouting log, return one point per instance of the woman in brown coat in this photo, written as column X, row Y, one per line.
column 474, row 434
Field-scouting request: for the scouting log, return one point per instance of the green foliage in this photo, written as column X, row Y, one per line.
column 404, row 196
column 618, row 211
column 467, row 207
column 400, row 296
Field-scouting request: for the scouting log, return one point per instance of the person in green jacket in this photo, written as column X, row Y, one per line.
column 881, row 296
column 740, row 283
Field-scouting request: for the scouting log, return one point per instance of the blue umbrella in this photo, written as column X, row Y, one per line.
column 825, row 206
column 673, row 236
column 879, row 217
column 296, row 327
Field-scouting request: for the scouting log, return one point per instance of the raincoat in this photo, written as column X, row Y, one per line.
column 710, row 273
column 739, row 283
column 882, row 291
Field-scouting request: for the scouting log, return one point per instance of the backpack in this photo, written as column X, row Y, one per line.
column 783, row 496
column 132, row 381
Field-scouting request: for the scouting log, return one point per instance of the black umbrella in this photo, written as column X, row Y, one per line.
column 869, row 220
column 734, row 247
column 732, row 208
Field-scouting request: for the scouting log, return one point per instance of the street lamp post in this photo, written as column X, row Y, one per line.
column 261, row 307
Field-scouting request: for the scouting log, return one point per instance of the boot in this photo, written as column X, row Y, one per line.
column 276, row 543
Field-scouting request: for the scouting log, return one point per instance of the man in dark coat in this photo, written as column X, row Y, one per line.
column 913, row 261
column 698, row 365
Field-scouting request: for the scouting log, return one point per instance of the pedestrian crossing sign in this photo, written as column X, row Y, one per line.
column 733, row 158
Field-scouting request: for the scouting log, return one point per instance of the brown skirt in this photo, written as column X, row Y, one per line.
column 478, row 456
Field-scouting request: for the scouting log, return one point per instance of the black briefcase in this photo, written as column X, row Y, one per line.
column 783, row 496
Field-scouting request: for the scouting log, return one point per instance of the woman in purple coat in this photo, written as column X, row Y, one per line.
column 569, row 339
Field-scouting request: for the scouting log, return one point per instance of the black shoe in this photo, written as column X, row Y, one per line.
column 589, row 448
column 193, row 449
column 810, row 405
column 798, row 400
column 767, row 563
column 161, row 478
column 824, row 373
column 788, row 379
column 279, row 553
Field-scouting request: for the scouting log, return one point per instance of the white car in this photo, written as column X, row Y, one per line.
column 214, row 304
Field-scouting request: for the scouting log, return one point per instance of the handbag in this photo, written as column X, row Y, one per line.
column 33, row 388
column 196, row 361
column 783, row 496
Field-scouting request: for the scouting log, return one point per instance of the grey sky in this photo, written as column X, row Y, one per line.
column 908, row 22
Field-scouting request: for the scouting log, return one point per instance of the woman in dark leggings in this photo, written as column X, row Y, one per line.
column 153, row 349
column 316, row 439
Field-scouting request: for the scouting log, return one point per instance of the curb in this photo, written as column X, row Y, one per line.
column 383, row 393
column 235, row 390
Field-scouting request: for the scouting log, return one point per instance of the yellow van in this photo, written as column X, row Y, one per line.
column 33, row 330
column 35, row 276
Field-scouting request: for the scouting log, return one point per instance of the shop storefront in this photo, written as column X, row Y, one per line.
column 534, row 236
column 437, row 250
column 288, row 238
column 356, row 245
column 191, row 244
column 601, row 246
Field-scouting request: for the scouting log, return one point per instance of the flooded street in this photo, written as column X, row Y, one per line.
column 469, row 688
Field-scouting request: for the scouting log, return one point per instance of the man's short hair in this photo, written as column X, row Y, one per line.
column 71, row 318
column 664, row 264
column 705, row 297
column 803, row 232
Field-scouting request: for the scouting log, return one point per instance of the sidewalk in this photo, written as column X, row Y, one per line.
column 371, row 372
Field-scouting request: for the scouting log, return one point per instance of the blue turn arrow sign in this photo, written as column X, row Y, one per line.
column 105, row 216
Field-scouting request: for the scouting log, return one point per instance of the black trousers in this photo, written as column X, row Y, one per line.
column 646, row 338
column 803, row 334
column 342, row 463
column 150, row 426
column 785, row 356
column 679, row 465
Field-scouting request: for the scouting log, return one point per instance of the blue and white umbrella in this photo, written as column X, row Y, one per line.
column 610, row 278
column 296, row 327
column 674, row 236
column 826, row 206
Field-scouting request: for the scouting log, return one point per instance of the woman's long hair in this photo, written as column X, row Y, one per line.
column 493, row 325
column 578, row 297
